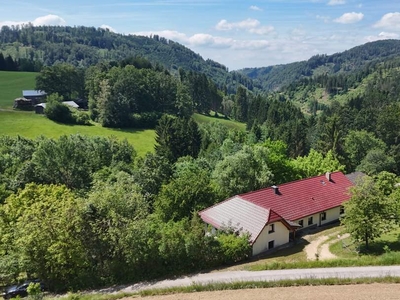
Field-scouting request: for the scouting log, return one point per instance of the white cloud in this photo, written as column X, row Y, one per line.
column 251, row 45
column 202, row 39
column 390, row 20
column 245, row 24
column 40, row 21
column 349, row 18
column 104, row 26
column 208, row 40
column 382, row 36
column 263, row 30
column 251, row 25
column 256, row 8
column 336, row 2
column 49, row 20
column 326, row 19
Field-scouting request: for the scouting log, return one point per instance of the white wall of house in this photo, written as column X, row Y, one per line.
column 331, row 215
column 280, row 236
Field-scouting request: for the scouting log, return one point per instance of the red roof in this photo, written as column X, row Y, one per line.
column 301, row 198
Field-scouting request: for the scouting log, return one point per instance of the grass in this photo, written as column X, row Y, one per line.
column 12, row 84
column 386, row 245
column 31, row 125
column 234, row 286
column 228, row 123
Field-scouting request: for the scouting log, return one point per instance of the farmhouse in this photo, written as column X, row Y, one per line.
column 272, row 215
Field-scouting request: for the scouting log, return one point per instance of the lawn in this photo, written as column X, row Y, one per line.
column 388, row 242
column 31, row 125
column 12, row 84
column 228, row 123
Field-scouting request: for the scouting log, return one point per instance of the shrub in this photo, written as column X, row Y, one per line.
column 81, row 118
column 58, row 112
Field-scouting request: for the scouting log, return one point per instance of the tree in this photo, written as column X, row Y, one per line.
column 369, row 213
column 358, row 143
column 243, row 171
column 241, row 104
column 376, row 161
column 315, row 163
column 177, row 137
column 113, row 208
column 64, row 79
column 42, row 225
column 189, row 190
column 56, row 111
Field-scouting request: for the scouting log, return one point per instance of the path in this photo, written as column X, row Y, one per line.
column 319, row 247
column 271, row 275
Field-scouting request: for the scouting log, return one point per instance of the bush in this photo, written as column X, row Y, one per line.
column 58, row 112
column 146, row 120
column 81, row 118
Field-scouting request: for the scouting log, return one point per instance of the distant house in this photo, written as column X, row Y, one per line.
column 35, row 96
column 272, row 215
column 39, row 108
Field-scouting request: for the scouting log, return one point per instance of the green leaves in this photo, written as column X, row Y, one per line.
column 369, row 212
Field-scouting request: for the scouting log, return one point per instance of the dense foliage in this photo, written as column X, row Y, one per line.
column 86, row 46
column 275, row 77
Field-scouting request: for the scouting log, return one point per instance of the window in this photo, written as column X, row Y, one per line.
column 342, row 210
column 301, row 223
column 310, row 220
column 323, row 216
column 271, row 244
column 271, row 228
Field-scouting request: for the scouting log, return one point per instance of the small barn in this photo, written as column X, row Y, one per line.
column 36, row 96
column 39, row 108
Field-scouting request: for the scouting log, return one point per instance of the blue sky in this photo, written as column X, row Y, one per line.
column 237, row 33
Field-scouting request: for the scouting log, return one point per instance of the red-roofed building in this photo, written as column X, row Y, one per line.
column 271, row 214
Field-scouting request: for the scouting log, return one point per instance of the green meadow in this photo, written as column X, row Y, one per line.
column 228, row 123
column 12, row 84
column 31, row 125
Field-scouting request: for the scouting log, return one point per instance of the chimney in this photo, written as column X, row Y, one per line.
column 328, row 176
column 276, row 189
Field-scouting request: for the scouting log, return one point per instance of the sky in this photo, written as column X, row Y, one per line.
column 238, row 33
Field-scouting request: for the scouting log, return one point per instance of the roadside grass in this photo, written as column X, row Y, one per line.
column 193, row 288
column 12, row 84
column 388, row 243
column 228, row 123
column 31, row 125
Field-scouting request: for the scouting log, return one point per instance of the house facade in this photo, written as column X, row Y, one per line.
column 272, row 215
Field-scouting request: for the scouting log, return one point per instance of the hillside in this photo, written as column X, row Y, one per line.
column 85, row 46
column 12, row 84
column 353, row 60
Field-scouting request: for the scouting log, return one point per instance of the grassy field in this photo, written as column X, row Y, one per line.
column 31, row 125
column 12, row 84
column 228, row 123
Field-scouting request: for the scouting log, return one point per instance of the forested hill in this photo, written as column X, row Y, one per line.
column 85, row 46
column 355, row 59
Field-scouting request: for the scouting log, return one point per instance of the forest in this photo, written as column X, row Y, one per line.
column 83, row 211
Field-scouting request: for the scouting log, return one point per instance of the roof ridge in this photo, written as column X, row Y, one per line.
column 286, row 183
